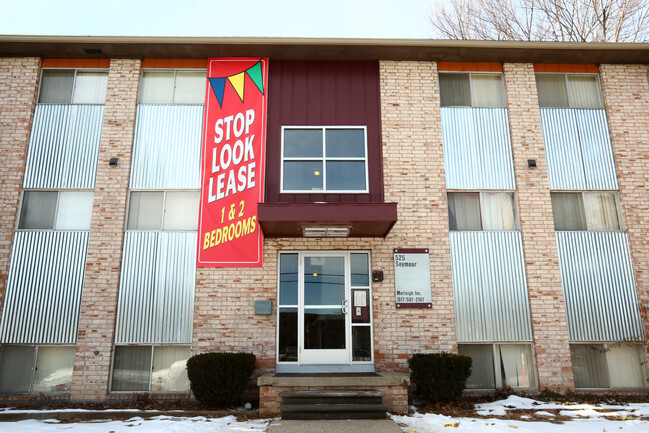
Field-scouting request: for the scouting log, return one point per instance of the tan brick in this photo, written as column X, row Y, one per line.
column 547, row 305
column 626, row 98
column 99, row 299
column 19, row 79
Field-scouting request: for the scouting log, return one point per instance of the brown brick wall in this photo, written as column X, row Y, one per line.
column 537, row 228
column 626, row 98
column 18, row 90
column 99, row 299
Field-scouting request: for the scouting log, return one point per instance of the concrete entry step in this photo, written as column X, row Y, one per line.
column 305, row 405
column 330, row 390
column 355, row 426
column 331, row 397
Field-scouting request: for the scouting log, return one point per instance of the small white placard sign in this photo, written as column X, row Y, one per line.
column 412, row 278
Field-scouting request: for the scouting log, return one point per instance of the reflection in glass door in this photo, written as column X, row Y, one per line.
column 324, row 324
column 324, row 311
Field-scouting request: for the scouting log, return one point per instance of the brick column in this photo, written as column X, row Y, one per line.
column 18, row 89
column 547, row 305
column 626, row 97
column 413, row 172
column 99, row 300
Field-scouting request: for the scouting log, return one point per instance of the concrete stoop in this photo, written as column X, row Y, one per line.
column 305, row 405
column 337, row 426
column 333, row 396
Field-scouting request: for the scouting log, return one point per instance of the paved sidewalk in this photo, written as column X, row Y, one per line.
column 337, row 426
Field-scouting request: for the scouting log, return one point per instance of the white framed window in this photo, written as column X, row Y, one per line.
column 499, row 365
column 471, row 89
column 557, row 90
column 587, row 210
column 56, row 210
column 150, row 368
column 486, row 210
column 73, row 86
column 36, row 369
column 163, row 210
column 173, row 86
column 609, row 365
column 324, row 159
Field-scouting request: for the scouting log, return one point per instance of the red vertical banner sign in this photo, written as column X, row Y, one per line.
column 233, row 163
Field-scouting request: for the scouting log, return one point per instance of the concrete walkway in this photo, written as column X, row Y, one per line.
column 337, row 426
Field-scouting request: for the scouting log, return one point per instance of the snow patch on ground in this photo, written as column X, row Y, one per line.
column 513, row 402
column 582, row 418
column 424, row 423
column 228, row 424
column 12, row 410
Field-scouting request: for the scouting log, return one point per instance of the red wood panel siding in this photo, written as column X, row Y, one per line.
column 76, row 63
column 566, row 68
column 323, row 93
column 285, row 220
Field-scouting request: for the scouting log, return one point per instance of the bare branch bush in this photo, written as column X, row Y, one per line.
column 542, row 20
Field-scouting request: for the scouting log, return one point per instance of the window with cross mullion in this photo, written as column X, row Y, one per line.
column 324, row 159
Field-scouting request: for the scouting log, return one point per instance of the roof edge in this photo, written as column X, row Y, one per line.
column 200, row 40
column 172, row 47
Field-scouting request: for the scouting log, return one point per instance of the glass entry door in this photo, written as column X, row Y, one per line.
column 323, row 317
column 324, row 311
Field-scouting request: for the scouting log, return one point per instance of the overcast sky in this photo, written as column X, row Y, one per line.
column 279, row 18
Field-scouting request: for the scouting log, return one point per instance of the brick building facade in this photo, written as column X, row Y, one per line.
column 517, row 171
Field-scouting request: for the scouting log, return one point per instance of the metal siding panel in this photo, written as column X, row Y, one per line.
column 562, row 150
column 167, row 147
column 477, row 148
column 177, row 296
column 156, row 295
column 578, row 149
column 598, row 286
column 44, row 287
column 489, row 287
column 597, row 150
column 64, row 146
column 136, row 285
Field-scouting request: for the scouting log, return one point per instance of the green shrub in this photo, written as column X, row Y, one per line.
column 220, row 378
column 439, row 376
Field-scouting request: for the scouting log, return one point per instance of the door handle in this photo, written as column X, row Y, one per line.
column 343, row 306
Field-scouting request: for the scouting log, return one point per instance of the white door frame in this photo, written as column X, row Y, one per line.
column 324, row 356
column 319, row 362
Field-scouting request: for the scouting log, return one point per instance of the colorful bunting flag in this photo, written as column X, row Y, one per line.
column 218, row 87
column 255, row 74
column 238, row 82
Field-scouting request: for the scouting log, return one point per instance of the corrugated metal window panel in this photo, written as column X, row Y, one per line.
column 597, row 150
column 489, row 287
column 156, row 295
column 64, row 146
column 167, row 147
column 477, row 148
column 44, row 287
column 599, row 286
column 562, row 149
column 578, row 149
